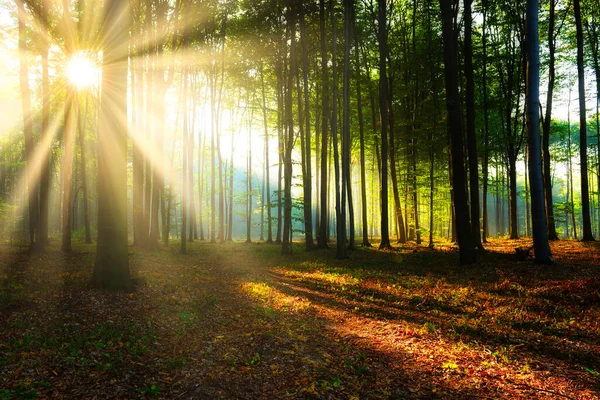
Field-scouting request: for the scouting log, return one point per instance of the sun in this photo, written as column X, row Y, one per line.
column 82, row 71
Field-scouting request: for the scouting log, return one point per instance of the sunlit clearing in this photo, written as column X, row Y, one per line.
column 275, row 299
column 82, row 72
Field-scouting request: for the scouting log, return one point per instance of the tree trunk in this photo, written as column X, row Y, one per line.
column 67, row 168
column 486, row 133
column 307, row 177
column 383, row 109
column 31, row 184
column 111, row 269
column 86, row 215
column 45, row 144
column 540, row 240
column 471, row 137
column 361, row 130
column 267, row 164
column 585, row 195
column 463, row 227
column 184, row 165
column 322, row 236
column 546, row 125
column 286, row 242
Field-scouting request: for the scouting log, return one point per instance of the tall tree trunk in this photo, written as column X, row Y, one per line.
column 546, row 124
column 249, row 179
column 267, row 164
column 540, row 240
column 112, row 265
column 307, row 177
column 570, row 167
column 486, row 128
column 585, row 195
column 86, row 215
column 280, row 149
column 67, row 167
column 471, row 137
column 324, row 213
column 184, row 165
column 383, row 109
column 463, row 227
column 361, row 130
column 286, row 242
column 28, row 126
column 45, row 144
column 137, row 100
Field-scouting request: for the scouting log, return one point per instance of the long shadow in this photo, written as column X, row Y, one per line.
column 366, row 303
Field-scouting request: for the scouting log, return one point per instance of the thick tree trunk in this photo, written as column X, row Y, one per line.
column 31, row 184
column 540, row 240
column 45, row 144
column 383, row 109
column 463, row 227
column 112, row 265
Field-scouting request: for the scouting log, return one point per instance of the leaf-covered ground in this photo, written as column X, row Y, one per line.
column 241, row 321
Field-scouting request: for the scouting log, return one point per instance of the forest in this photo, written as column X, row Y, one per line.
column 306, row 199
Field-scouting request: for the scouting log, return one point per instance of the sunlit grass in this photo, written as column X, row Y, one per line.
column 272, row 297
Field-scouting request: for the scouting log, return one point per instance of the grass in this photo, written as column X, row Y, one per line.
column 241, row 321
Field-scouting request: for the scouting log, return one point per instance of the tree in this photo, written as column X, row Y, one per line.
column 461, row 208
column 383, row 109
column 585, row 193
column 307, row 162
column 471, row 138
column 324, row 214
column 111, row 269
column 538, row 213
column 27, row 123
column 552, row 36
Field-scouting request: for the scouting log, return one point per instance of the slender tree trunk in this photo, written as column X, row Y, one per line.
column 67, row 168
column 86, row 216
column 286, row 247
column 307, row 181
column 585, row 195
column 486, row 133
column 280, row 152
column 570, row 166
column 527, row 209
column 471, row 137
column 267, row 164
column 546, row 125
column 361, row 129
column 184, row 166
column 249, row 180
column 324, row 213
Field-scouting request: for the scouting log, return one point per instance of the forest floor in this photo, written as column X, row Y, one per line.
column 240, row 321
